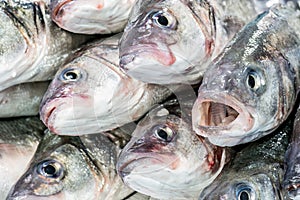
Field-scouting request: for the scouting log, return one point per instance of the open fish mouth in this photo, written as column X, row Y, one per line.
column 228, row 117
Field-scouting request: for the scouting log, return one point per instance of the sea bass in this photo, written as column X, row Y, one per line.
column 72, row 168
column 91, row 17
column 22, row 99
column 173, row 41
column 251, row 88
column 256, row 171
column 19, row 139
column 165, row 159
column 31, row 45
column 90, row 94
column 291, row 181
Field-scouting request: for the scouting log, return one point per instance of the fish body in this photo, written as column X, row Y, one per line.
column 173, row 41
column 22, row 99
column 32, row 46
column 19, row 139
column 251, row 87
column 291, row 179
column 90, row 94
column 72, row 168
column 165, row 159
column 255, row 172
column 91, row 17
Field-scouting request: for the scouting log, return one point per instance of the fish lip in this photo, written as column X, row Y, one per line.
column 57, row 9
column 204, row 129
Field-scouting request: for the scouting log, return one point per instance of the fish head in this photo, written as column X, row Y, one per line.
column 155, row 46
column 247, row 92
column 102, row 17
column 85, row 95
column 63, row 174
column 256, row 186
column 23, row 39
column 165, row 159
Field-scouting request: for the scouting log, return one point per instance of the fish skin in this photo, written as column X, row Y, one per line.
column 255, row 80
column 74, row 107
column 291, row 179
column 206, row 25
column 22, row 99
column 174, row 167
column 32, row 46
column 85, row 169
column 91, row 17
column 256, row 170
column 19, row 138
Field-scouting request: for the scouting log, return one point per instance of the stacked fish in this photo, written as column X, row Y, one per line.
column 144, row 99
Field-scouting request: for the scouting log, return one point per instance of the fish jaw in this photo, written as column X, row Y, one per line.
column 94, row 17
column 222, row 119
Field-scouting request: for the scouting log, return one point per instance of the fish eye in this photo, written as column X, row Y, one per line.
column 244, row 192
column 164, row 19
column 70, row 75
column 163, row 133
column 255, row 80
column 50, row 169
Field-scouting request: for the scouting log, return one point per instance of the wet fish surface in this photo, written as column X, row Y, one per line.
column 165, row 159
column 251, row 88
column 173, row 41
column 255, row 172
column 22, row 99
column 32, row 46
column 19, row 138
column 291, row 181
column 90, row 94
column 72, row 168
column 91, row 17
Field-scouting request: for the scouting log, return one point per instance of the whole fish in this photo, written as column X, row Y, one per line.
column 173, row 41
column 291, row 181
column 91, row 17
column 31, row 46
column 165, row 159
column 72, row 168
column 255, row 172
column 90, row 94
column 19, row 138
column 250, row 89
column 22, row 99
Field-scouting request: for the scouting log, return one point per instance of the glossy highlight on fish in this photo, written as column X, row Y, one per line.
column 91, row 17
column 250, row 89
column 90, row 94
column 173, row 41
column 31, row 45
column 72, row 168
column 165, row 159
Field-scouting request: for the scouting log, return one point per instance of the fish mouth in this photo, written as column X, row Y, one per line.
column 149, row 51
column 223, row 115
column 58, row 10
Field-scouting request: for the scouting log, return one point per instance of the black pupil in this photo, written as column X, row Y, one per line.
column 251, row 81
column 71, row 75
column 162, row 134
column 244, row 196
column 162, row 20
column 49, row 170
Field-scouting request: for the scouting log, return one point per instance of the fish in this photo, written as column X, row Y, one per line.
column 291, row 181
column 74, row 167
column 90, row 94
column 251, row 87
column 165, row 159
column 32, row 46
column 173, row 41
column 19, row 138
column 22, row 100
column 255, row 172
column 91, row 17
